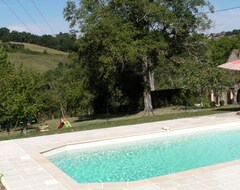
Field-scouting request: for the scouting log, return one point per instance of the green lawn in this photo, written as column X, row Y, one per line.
column 101, row 122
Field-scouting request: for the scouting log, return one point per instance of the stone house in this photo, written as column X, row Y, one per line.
column 232, row 95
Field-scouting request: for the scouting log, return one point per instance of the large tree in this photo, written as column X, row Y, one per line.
column 119, row 33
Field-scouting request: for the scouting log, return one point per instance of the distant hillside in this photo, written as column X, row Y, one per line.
column 61, row 41
column 41, row 49
column 37, row 58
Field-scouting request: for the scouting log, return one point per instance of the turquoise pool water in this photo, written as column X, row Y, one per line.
column 151, row 158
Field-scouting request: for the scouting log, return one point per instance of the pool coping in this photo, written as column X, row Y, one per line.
column 65, row 182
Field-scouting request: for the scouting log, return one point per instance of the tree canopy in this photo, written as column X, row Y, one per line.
column 20, row 91
column 140, row 35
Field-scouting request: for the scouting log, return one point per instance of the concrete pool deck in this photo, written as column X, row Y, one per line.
column 25, row 168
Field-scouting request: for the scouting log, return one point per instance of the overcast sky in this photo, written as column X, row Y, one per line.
column 46, row 16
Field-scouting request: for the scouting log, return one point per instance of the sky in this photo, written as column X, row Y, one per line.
column 46, row 16
column 225, row 20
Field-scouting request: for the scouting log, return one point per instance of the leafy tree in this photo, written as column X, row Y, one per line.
column 4, row 70
column 68, row 85
column 65, row 41
column 201, row 74
column 121, row 33
column 221, row 49
column 48, row 41
column 20, row 91
column 4, row 34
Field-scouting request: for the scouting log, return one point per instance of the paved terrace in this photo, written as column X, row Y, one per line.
column 24, row 168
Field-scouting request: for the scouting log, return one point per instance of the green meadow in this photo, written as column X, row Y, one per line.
column 37, row 58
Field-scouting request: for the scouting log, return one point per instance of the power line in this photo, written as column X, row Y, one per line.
column 25, row 10
column 222, row 10
column 42, row 16
column 17, row 16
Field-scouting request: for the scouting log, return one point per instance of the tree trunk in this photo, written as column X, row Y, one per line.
column 147, row 99
column 148, row 84
column 151, row 80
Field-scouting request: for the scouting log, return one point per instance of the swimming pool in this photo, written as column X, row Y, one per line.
column 141, row 159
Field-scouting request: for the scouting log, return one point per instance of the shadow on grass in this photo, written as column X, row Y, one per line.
column 103, row 116
column 235, row 109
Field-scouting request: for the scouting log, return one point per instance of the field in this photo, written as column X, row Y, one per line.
column 38, row 61
column 40, row 49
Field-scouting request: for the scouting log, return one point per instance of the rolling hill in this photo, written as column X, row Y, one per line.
column 39, row 58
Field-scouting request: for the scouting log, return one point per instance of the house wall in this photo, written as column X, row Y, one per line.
column 231, row 95
column 234, row 55
column 228, row 97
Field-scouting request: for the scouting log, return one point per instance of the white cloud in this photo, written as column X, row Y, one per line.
column 225, row 21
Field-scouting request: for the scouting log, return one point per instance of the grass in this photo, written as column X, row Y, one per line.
column 99, row 123
column 38, row 62
column 40, row 49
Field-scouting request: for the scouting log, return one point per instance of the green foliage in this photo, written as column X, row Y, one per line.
column 233, row 32
column 20, row 91
column 171, row 97
column 4, row 63
column 140, row 35
column 212, row 104
column 70, row 88
column 21, row 94
column 13, row 47
column 222, row 102
column 206, row 103
column 10, row 47
column 221, row 49
column 62, row 41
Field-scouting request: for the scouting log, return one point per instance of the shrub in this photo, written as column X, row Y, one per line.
column 188, row 103
column 222, row 102
column 212, row 104
column 206, row 103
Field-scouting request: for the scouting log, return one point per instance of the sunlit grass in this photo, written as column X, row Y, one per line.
column 103, row 122
column 39, row 63
column 40, row 49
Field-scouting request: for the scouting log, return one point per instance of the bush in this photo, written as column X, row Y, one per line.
column 222, row 102
column 11, row 47
column 212, row 104
column 189, row 102
column 206, row 103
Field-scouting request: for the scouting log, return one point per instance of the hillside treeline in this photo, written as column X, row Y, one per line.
column 61, row 41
